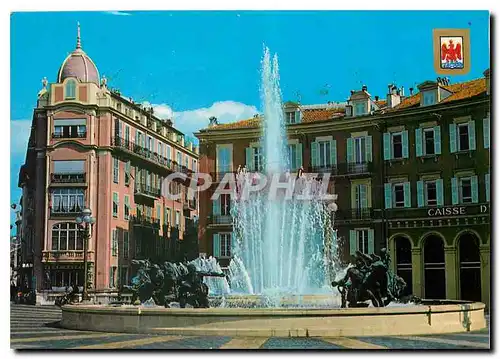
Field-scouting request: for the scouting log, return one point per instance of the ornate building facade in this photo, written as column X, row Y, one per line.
column 412, row 173
column 91, row 147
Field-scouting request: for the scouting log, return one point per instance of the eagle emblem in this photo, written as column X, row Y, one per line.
column 452, row 53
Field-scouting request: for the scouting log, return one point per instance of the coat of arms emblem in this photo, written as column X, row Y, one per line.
column 451, row 51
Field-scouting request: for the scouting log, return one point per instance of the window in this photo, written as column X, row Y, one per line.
column 116, row 167
column 292, row 117
column 67, row 200
column 194, row 165
column 463, row 137
column 292, row 156
column 430, row 193
column 66, row 236
column 127, row 173
column 223, row 160
column 112, row 277
column 361, row 198
column 397, row 145
column 127, row 134
column 465, row 190
column 177, row 218
column 399, row 195
column 169, row 156
column 123, row 275
column 225, row 201
column 70, row 128
column 429, row 98
column 160, row 148
column 360, row 109
column 257, row 158
column 126, row 207
column 150, row 144
column 166, row 215
column 125, row 244
column 179, row 158
column 115, row 204
column 114, row 242
column 186, row 164
column 359, row 150
column 362, row 240
column 429, row 141
column 324, row 154
column 225, row 244
column 158, row 213
column 70, row 89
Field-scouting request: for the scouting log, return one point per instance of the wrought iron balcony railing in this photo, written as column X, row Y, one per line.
column 68, row 177
column 149, row 155
column 142, row 189
column 81, row 134
column 221, row 219
column 144, row 220
column 65, row 211
column 354, row 214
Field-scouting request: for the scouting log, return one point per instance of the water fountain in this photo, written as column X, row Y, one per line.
column 283, row 259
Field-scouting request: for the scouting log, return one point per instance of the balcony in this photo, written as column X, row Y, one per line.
column 66, row 256
column 144, row 153
column 147, row 191
column 146, row 221
column 355, row 214
column 359, row 168
column 60, row 135
column 65, row 212
column 68, row 178
column 222, row 219
column 333, row 169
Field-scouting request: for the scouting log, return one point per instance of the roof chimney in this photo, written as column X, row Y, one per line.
column 376, row 98
column 352, row 92
column 393, row 96
column 364, row 88
column 402, row 91
column 411, row 91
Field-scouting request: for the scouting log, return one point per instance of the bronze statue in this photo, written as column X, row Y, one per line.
column 370, row 279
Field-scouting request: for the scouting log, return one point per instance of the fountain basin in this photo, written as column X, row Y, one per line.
column 431, row 317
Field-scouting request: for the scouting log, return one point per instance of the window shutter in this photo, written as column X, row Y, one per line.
column 437, row 140
column 297, row 117
column 371, row 241
column 368, row 149
column 453, row 138
column 298, row 163
column 454, row 190
column 487, row 185
column 363, row 195
column 475, row 196
column 314, row 153
column 353, row 243
column 350, row 150
column 406, row 153
column 407, row 192
column 216, row 207
column 249, row 158
column 387, row 146
column 418, row 142
column 439, row 192
column 388, row 195
column 233, row 244
column 333, row 153
column 420, row 193
column 486, row 132
column 472, row 135
column 216, row 245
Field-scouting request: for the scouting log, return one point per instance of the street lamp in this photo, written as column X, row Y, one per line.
column 86, row 218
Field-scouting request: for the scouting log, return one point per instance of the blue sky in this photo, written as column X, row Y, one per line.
column 199, row 64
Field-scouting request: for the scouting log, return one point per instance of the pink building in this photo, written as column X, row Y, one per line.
column 90, row 147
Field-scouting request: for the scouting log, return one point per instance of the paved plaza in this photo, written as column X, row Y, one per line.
column 36, row 327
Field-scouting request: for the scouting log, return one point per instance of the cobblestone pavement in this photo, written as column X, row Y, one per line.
column 37, row 328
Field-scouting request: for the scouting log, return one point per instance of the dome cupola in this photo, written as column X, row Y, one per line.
column 78, row 65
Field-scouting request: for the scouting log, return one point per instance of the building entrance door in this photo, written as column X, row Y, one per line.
column 470, row 267
column 403, row 262
column 434, row 268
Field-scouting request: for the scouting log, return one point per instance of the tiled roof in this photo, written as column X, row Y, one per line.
column 459, row 91
column 307, row 117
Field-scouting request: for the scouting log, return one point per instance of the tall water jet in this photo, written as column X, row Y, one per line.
column 281, row 246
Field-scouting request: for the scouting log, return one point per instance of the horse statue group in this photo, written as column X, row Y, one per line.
column 370, row 279
column 170, row 282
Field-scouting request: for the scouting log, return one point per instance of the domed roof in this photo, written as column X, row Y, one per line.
column 78, row 65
